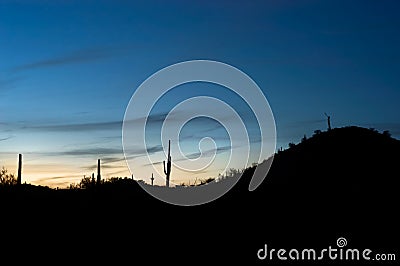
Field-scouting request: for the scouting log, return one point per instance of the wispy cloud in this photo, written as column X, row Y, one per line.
column 91, row 151
column 7, row 138
column 155, row 163
column 110, row 125
column 112, row 159
column 202, row 129
column 309, row 122
column 139, row 152
column 94, row 166
column 116, row 159
column 154, row 149
column 109, row 152
column 95, row 126
column 206, row 153
column 66, row 177
column 80, row 56
column 8, row 83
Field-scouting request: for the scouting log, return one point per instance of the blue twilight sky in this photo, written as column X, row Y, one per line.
column 69, row 68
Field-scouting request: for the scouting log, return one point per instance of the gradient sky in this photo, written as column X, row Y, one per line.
column 69, row 68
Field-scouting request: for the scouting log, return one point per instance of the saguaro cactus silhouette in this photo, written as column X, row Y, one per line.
column 167, row 170
column 19, row 178
column 152, row 178
column 329, row 121
column 98, row 172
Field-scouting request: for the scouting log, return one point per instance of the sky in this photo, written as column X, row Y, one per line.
column 68, row 70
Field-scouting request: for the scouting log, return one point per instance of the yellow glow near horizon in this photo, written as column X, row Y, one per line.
column 62, row 171
column 62, row 175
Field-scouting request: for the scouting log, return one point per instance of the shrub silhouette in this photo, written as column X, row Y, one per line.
column 386, row 133
column 86, row 182
column 7, row 179
column 317, row 132
column 206, row 181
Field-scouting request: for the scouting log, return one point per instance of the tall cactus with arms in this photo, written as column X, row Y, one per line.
column 167, row 170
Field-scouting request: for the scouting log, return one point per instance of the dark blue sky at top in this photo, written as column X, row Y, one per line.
column 78, row 62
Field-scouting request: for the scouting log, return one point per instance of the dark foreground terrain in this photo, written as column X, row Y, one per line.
column 339, row 183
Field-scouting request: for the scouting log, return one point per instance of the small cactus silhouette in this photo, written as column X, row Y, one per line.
column 19, row 178
column 98, row 172
column 167, row 169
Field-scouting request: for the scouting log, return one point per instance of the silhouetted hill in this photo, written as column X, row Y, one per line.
column 341, row 157
column 349, row 157
column 339, row 183
column 349, row 173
